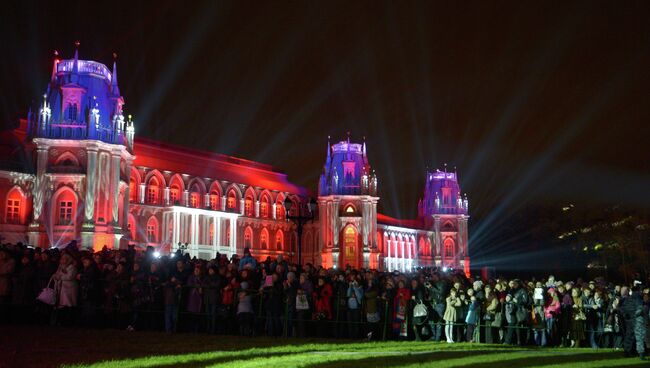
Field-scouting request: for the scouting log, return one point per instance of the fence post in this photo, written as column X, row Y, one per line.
column 286, row 318
column 385, row 319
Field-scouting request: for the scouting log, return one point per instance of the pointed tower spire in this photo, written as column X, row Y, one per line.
column 364, row 145
column 75, row 65
column 348, row 137
column 54, row 65
column 329, row 147
column 114, row 88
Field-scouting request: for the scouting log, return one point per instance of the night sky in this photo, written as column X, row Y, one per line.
column 534, row 102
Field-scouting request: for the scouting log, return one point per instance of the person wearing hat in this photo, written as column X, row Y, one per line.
column 247, row 259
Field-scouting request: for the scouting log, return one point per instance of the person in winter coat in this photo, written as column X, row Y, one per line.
column 354, row 298
column 24, row 292
column 211, row 294
column 635, row 329
column 245, row 313
column 472, row 318
column 552, row 308
column 7, row 267
column 451, row 314
column 510, row 312
column 322, row 300
column 195, row 296
column 66, row 287
column 492, row 307
column 89, row 291
column 400, row 310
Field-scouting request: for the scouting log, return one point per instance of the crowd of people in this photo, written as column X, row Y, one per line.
column 134, row 290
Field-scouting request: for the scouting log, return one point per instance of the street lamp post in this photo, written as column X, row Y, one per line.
column 300, row 220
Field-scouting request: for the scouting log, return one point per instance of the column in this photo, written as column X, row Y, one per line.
column 175, row 231
column 223, row 203
column 186, row 198
column 127, row 197
column 217, row 231
column 115, row 182
column 241, row 206
column 91, row 183
column 273, row 211
column 142, row 188
column 206, row 200
column 40, row 184
column 166, row 196
column 257, row 208
column 233, row 236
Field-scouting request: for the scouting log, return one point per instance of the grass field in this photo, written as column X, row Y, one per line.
column 54, row 347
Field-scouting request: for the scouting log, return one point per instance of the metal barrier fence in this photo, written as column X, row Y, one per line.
column 291, row 321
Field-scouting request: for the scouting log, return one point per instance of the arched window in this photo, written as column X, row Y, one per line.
column 248, row 206
column 153, row 191
column 449, row 248
column 133, row 191
column 15, row 201
column 264, row 206
column 196, row 194
column 279, row 240
column 422, row 247
column 152, row 230
column 350, row 243
column 174, row 195
column 214, row 200
column 65, row 207
column 264, row 239
column 195, row 200
column 231, row 202
column 211, row 231
column 72, row 111
column 131, row 227
column 279, row 209
column 248, row 237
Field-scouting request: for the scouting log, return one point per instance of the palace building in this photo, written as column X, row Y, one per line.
column 74, row 170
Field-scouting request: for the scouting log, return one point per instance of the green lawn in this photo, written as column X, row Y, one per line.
column 53, row 347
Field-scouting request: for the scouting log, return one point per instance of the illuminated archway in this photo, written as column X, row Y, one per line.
column 350, row 245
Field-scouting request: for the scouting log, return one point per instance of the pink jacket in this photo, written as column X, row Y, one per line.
column 552, row 307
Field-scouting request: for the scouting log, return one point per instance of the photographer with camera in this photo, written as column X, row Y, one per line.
column 635, row 328
column 435, row 293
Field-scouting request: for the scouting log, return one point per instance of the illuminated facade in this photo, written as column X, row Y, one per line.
column 73, row 170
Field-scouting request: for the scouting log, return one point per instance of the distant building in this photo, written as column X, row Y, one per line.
column 73, row 170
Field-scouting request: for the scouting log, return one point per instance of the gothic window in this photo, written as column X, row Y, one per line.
column 449, row 248
column 195, row 201
column 231, row 202
column 72, row 111
column 65, row 212
column 248, row 207
column 264, row 207
column 133, row 191
column 264, row 239
column 13, row 211
column 152, row 230
column 279, row 240
column 279, row 210
column 214, row 200
column 174, row 194
column 248, row 238
column 152, row 191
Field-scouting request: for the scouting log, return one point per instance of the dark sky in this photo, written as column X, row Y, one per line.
column 534, row 102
